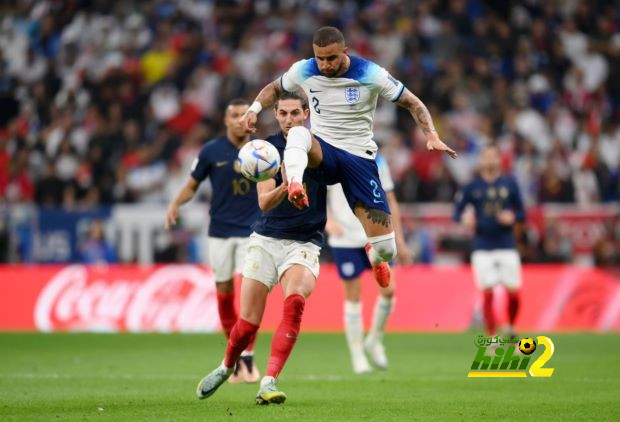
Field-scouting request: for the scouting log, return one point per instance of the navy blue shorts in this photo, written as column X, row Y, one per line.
column 351, row 262
column 358, row 176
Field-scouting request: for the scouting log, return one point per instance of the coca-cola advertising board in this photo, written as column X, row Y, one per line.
column 181, row 298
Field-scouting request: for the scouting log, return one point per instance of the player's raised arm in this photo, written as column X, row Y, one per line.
column 266, row 98
column 423, row 118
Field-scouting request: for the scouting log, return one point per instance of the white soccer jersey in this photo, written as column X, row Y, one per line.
column 342, row 109
column 353, row 235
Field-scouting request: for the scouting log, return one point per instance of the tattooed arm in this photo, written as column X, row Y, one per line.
column 423, row 118
column 266, row 97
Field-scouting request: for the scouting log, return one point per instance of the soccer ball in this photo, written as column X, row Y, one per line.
column 527, row 346
column 258, row 160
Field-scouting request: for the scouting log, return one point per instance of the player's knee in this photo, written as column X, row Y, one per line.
column 299, row 137
column 384, row 246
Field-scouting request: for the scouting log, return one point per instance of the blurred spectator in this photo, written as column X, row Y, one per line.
column 554, row 246
column 94, row 249
column 419, row 240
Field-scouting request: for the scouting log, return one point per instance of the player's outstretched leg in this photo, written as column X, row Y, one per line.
column 210, row 383
column 240, row 336
column 380, row 268
column 298, row 144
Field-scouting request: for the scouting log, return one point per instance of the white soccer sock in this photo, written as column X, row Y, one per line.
column 353, row 327
column 383, row 248
column 383, row 308
column 298, row 143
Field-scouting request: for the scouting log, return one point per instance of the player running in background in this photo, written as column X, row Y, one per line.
column 343, row 92
column 233, row 210
column 284, row 248
column 497, row 207
column 347, row 240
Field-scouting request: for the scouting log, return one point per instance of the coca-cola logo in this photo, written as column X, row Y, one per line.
column 168, row 299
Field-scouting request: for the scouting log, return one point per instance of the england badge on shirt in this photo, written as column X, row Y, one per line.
column 352, row 94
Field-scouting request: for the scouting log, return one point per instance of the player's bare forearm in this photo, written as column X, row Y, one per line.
column 187, row 193
column 423, row 119
column 418, row 110
column 270, row 195
column 269, row 94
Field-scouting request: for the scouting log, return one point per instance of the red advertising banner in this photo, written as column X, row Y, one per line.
column 181, row 298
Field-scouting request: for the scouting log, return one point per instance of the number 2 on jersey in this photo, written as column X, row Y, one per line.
column 315, row 104
column 375, row 192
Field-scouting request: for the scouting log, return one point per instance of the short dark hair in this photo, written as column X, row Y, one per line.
column 238, row 102
column 328, row 35
column 293, row 96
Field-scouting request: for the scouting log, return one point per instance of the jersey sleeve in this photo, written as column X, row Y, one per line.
column 201, row 167
column 463, row 197
column 384, row 174
column 389, row 87
column 292, row 79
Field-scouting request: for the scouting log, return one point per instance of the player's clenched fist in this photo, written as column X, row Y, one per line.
column 248, row 121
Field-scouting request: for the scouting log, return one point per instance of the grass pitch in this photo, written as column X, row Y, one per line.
column 152, row 377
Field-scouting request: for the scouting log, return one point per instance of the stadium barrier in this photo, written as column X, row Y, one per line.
column 181, row 298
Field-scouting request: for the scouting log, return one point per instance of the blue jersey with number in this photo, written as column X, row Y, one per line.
column 234, row 206
column 489, row 199
column 287, row 222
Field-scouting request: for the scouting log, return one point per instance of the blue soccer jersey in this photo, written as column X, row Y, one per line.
column 287, row 222
column 234, row 206
column 488, row 200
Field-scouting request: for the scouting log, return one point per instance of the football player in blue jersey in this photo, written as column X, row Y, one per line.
column 232, row 212
column 497, row 205
column 284, row 248
column 343, row 92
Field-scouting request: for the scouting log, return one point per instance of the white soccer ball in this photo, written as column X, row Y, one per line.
column 259, row 160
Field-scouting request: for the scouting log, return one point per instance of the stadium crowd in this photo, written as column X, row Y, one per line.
column 106, row 102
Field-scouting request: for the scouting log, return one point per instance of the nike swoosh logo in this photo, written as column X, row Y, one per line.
column 287, row 335
column 316, row 90
column 220, row 163
column 376, row 201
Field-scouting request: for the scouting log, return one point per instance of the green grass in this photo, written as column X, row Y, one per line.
column 152, row 377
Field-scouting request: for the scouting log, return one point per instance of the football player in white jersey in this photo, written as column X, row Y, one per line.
column 343, row 92
column 347, row 240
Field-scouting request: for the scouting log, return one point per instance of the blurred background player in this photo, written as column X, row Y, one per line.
column 284, row 248
column 497, row 207
column 232, row 212
column 344, row 91
column 347, row 241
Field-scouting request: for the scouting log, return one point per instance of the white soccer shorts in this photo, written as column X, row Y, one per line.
column 497, row 267
column 268, row 258
column 226, row 256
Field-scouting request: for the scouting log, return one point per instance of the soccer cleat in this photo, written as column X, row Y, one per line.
column 236, row 377
column 376, row 351
column 297, row 195
column 380, row 271
column 248, row 370
column 269, row 393
column 360, row 365
column 207, row 386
